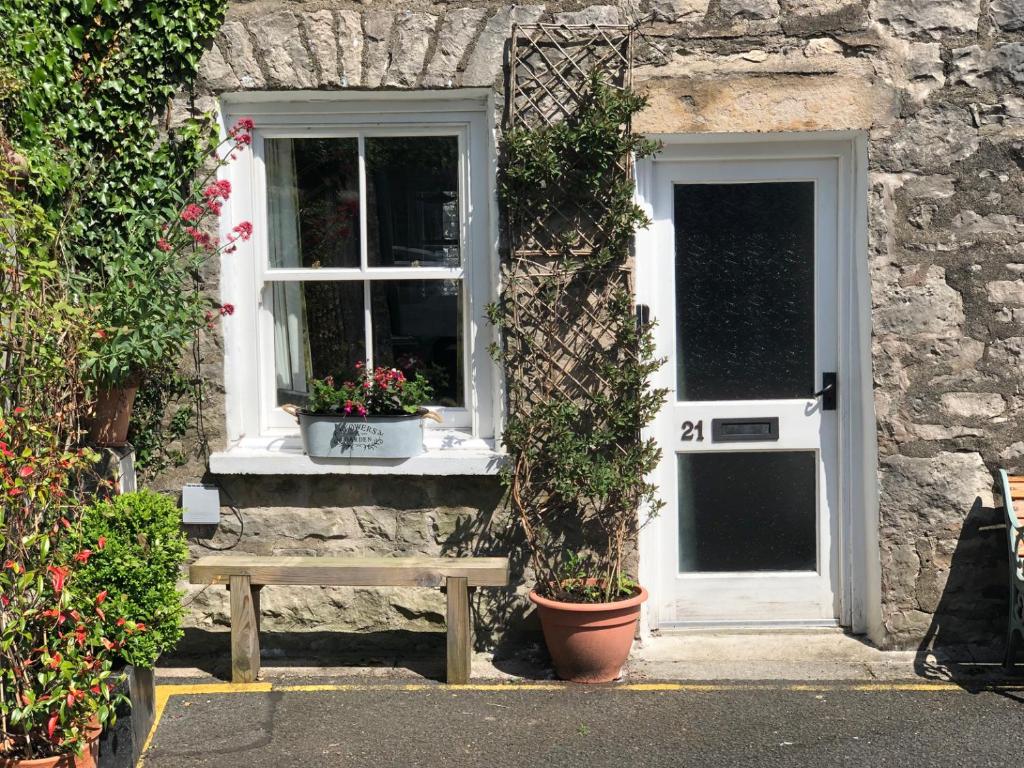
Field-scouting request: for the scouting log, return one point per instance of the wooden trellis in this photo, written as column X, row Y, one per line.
column 561, row 325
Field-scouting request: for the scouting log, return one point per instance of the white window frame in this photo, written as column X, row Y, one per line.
column 262, row 438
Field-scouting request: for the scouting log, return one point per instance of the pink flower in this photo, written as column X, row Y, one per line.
column 227, row 309
column 221, row 189
column 192, row 212
column 244, row 230
column 246, row 123
column 362, row 410
column 215, row 206
column 163, row 245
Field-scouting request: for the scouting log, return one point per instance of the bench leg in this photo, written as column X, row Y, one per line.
column 459, row 630
column 245, row 638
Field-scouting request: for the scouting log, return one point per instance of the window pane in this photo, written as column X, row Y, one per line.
column 313, row 202
column 319, row 330
column 417, row 327
column 748, row 511
column 745, row 290
column 412, row 207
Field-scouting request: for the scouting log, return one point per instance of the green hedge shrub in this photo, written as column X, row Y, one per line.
column 137, row 550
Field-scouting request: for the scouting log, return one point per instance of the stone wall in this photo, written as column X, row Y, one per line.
column 939, row 87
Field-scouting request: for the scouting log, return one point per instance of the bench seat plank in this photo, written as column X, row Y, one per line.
column 351, row 571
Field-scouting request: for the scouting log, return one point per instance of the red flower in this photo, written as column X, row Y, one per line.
column 163, row 245
column 244, row 230
column 221, row 189
column 227, row 309
column 245, row 124
column 83, row 556
column 192, row 212
column 58, row 573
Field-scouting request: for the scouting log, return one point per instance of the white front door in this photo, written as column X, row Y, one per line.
column 742, row 283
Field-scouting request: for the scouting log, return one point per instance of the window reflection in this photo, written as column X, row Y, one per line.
column 412, row 206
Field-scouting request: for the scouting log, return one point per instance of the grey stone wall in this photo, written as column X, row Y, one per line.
column 939, row 87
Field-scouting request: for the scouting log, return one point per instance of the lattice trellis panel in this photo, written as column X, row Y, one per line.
column 562, row 329
column 551, row 67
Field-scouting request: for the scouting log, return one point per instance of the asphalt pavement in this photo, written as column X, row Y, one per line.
column 649, row 725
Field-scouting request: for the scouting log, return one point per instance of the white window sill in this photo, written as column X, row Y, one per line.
column 448, row 452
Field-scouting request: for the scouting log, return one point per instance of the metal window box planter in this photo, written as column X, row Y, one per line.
column 362, row 437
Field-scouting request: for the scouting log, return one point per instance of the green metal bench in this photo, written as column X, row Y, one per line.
column 1013, row 492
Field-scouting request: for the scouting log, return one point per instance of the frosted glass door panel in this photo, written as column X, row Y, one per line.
column 744, row 290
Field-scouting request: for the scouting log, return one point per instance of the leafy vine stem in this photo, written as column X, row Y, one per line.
column 578, row 364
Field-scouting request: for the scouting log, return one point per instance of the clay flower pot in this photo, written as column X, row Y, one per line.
column 112, row 413
column 589, row 642
column 88, row 759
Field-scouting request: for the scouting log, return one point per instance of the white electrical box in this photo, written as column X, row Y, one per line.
column 200, row 504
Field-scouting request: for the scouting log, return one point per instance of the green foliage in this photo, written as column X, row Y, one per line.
column 136, row 548
column 578, row 584
column 92, row 77
column 153, row 433
column 575, row 160
column 55, row 652
column 42, row 330
column 381, row 392
column 578, row 465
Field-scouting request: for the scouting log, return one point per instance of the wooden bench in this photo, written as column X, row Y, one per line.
column 246, row 575
column 1012, row 488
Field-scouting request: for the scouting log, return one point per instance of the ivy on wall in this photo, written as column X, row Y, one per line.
column 87, row 85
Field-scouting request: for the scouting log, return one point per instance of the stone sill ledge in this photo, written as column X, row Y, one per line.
column 449, row 452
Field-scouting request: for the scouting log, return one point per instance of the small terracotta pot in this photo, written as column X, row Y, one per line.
column 88, row 759
column 589, row 642
column 112, row 413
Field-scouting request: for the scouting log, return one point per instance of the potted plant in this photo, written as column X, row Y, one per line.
column 142, row 283
column 578, row 465
column 55, row 652
column 376, row 414
column 136, row 548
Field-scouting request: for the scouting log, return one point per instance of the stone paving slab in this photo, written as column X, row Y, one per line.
column 540, row 724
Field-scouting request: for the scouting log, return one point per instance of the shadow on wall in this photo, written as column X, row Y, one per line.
column 968, row 627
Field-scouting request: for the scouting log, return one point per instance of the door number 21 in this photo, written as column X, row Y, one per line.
column 693, row 430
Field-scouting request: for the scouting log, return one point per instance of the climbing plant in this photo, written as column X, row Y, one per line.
column 92, row 87
column 577, row 362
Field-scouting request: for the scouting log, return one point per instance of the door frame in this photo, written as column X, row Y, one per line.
column 859, row 571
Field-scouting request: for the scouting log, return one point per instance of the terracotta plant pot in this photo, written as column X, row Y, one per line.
column 88, row 759
column 589, row 642
column 112, row 413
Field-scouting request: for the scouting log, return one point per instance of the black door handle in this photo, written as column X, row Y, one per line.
column 829, row 392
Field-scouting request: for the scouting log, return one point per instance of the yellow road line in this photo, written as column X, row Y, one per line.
column 165, row 691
